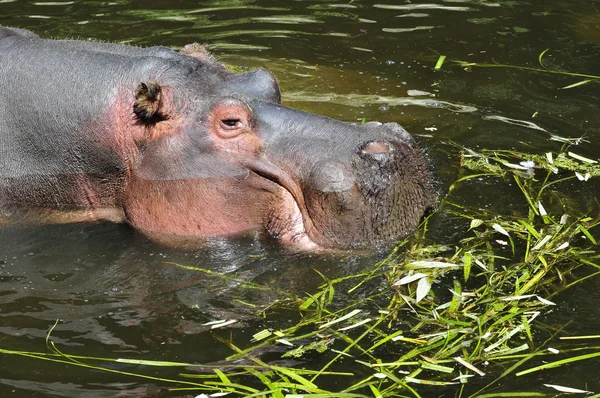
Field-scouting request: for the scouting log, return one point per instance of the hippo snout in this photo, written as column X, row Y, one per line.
column 376, row 194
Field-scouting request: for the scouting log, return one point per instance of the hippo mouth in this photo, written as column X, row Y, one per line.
column 289, row 219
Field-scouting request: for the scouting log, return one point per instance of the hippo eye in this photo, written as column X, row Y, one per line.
column 230, row 119
column 231, row 124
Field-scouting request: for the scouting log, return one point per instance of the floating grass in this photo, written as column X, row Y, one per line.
column 429, row 316
column 588, row 78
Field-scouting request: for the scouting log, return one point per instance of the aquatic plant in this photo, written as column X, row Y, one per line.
column 463, row 313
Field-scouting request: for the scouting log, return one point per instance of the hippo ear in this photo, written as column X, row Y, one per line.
column 196, row 50
column 148, row 102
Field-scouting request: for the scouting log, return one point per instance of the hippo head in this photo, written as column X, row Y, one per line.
column 224, row 156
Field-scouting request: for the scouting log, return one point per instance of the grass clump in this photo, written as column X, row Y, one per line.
column 460, row 315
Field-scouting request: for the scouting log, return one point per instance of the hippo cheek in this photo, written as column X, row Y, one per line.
column 192, row 208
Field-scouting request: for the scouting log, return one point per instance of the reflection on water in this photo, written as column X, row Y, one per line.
column 117, row 294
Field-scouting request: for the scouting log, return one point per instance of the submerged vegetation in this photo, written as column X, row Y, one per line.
column 461, row 315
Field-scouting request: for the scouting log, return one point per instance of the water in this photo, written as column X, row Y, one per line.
column 117, row 295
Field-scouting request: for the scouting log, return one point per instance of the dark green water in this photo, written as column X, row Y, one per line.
column 117, row 295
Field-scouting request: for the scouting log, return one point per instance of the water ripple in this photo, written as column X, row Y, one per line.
column 421, row 7
column 357, row 100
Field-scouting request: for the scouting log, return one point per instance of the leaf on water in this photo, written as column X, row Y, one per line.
column 263, row 334
column 223, row 324
column 475, row 223
column 567, row 389
column 423, row 287
column 566, row 140
column 432, row 264
column 481, row 265
column 587, row 233
column 409, row 279
column 542, row 56
column 498, row 228
column 437, row 368
column 396, row 338
column 581, row 158
column 581, row 83
column 581, row 177
column 580, row 337
column 542, row 210
column 284, row 342
column 295, row 376
column 214, row 322
column 429, row 382
column 355, row 325
column 347, row 316
column 542, row 243
column 514, row 166
column 512, row 298
column 543, row 300
column 462, row 377
column 528, row 164
column 440, row 62
column 469, row 366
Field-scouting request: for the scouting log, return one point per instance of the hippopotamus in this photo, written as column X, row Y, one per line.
column 182, row 148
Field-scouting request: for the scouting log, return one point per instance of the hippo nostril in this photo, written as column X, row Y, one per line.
column 376, row 147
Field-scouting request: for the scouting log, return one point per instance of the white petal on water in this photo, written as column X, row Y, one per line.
column 549, row 157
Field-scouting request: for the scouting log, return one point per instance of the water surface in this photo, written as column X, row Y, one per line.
column 116, row 294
